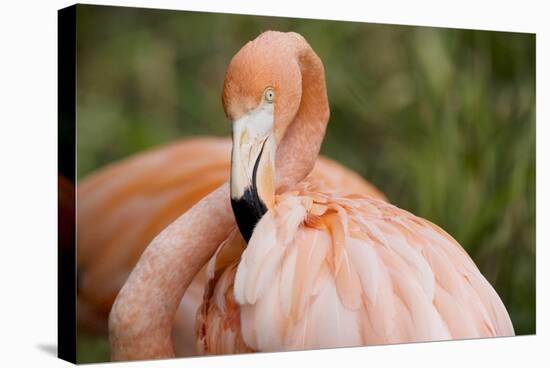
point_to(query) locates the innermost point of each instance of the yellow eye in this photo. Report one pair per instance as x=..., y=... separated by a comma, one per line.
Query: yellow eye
x=269, y=95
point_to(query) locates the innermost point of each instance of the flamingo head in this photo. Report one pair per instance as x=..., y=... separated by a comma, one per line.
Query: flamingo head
x=261, y=96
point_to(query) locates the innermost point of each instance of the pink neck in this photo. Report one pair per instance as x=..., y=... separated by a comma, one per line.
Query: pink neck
x=140, y=323
x=299, y=148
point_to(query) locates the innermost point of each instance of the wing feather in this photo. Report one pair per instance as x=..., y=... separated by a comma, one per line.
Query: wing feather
x=325, y=271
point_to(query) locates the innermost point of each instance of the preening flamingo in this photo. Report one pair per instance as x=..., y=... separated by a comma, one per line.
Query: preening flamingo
x=314, y=268
x=121, y=207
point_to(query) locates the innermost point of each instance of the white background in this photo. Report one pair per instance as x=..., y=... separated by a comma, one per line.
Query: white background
x=28, y=180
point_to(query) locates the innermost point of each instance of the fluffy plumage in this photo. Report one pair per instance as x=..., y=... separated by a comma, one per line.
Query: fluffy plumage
x=327, y=270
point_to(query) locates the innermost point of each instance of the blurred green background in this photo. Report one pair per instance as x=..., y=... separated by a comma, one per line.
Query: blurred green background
x=441, y=120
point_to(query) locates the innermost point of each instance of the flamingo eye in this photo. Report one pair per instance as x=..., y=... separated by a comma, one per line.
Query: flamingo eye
x=269, y=95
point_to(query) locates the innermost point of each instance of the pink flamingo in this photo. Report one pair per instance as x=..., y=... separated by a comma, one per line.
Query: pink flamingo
x=316, y=268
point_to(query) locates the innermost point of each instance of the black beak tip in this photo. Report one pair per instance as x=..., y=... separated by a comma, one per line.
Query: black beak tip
x=248, y=211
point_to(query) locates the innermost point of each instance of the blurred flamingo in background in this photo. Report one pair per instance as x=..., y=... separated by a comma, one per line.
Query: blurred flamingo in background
x=124, y=205
x=292, y=263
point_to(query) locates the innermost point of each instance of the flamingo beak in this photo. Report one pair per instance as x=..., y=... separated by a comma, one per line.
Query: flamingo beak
x=253, y=167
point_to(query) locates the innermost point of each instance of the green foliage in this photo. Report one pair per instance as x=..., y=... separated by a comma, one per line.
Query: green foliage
x=441, y=120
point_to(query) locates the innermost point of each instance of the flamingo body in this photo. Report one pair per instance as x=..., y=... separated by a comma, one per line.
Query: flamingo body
x=324, y=270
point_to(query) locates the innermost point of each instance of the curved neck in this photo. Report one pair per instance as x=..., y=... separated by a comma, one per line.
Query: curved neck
x=299, y=148
x=140, y=323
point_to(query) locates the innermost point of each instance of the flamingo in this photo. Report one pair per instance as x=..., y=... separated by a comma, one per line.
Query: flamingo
x=291, y=264
x=122, y=206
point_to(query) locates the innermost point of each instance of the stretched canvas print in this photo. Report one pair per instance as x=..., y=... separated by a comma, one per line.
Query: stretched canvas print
x=239, y=184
